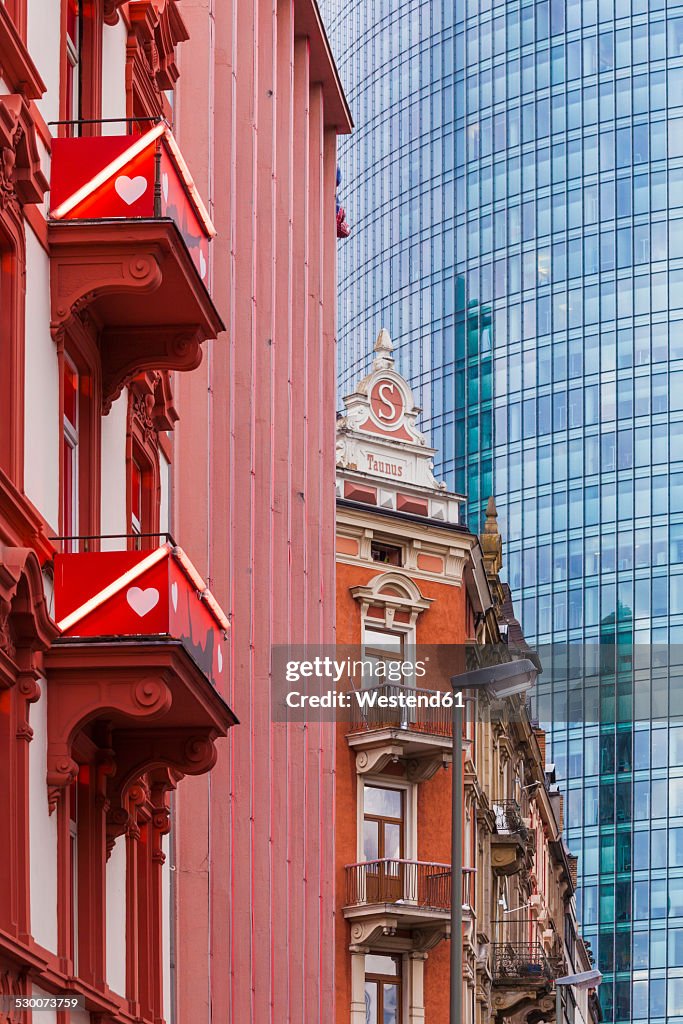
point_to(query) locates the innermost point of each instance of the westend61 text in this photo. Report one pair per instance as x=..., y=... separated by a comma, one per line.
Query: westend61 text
x=374, y=699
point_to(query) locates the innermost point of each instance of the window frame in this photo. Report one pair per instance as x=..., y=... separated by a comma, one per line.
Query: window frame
x=79, y=351
x=380, y=980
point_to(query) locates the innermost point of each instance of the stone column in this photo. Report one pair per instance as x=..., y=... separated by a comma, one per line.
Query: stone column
x=357, y=1015
x=416, y=1004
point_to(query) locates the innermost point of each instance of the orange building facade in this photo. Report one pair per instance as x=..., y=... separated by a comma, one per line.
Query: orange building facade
x=408, y=573
x=414, y=585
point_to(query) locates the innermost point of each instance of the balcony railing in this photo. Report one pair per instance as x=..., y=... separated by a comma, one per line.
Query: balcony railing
x=412, y=883
x=430, y=721
x=509, y=819
x=519, y=961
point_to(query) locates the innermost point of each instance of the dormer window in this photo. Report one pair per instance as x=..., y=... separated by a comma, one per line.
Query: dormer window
x=387, y=554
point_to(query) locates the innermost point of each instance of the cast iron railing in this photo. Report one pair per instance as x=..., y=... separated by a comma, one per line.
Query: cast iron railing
x=431, y=721
x=509, y=819
x=519, y=961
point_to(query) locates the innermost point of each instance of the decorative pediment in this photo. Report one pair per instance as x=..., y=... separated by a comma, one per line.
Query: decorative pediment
x=392, y=592
x=380, y=419
x=382, y=457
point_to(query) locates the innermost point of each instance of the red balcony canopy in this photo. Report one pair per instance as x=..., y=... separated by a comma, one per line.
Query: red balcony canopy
x=142, y=594
x=130, y=176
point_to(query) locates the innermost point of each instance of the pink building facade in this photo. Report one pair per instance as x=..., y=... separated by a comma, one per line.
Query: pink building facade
x=259, y=106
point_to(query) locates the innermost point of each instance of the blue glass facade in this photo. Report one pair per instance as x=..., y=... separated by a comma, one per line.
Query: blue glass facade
x=515, y=189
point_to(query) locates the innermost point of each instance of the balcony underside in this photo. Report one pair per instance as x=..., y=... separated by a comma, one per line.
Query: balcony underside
x=143, y=704
x=393, y=926
x=509, y=854
x=136, y=285
x=422, y=753
x=523, y=1005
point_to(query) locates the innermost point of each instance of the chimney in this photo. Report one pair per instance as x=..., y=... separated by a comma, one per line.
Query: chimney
x=540, y=736
x=573, y=868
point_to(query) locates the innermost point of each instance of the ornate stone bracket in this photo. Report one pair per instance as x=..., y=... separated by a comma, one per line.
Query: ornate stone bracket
x=125, y=354
x=79, y=279
x=425, y=939
x=420, y=769
x=508, y=854
x=369, y=933
x=74, y=703
x=376, y=759
x=156, y=28
x=94, y=263
x=380, y=932
x=523, y=1006
x=12, y=985
x=25, y=624
x=167, y=755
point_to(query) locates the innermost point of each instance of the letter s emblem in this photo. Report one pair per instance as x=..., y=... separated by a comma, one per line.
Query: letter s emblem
x=389, y=407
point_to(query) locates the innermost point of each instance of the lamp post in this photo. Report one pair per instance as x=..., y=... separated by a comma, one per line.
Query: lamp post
x=500, y=681
x=587, y=979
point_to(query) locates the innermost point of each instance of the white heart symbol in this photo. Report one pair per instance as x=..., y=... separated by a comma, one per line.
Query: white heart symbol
x=202, y=265
x=164, y=186
x=174, y=595
x=142, y=601
x=220, y=660
x=130, y=189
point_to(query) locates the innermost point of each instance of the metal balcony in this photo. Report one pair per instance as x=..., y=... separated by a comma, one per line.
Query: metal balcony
x=509, y=820
x=520, y=962
x=382, y=731
x=384, y=897
x=413, y=883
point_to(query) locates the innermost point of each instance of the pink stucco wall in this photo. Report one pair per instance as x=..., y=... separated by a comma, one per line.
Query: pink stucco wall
x=259, y=108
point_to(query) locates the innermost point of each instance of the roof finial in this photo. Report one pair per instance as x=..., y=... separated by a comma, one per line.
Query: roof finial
x=491, y=524
x=383, y=347
x=491, y=540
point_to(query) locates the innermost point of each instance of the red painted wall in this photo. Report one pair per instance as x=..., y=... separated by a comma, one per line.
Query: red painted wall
x=254, y=844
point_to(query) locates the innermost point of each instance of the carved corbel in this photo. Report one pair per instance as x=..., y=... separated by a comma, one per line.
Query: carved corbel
x=29, y=688
x=126, y=353
x=377, y=758
x=369, y=933
x=161, y=782
x=62, y=770
x=78, y=280
x=424, y=939
x=420, y=769
x=178, y=752
x=21, y=176
x=164, y=413
x=73, y=704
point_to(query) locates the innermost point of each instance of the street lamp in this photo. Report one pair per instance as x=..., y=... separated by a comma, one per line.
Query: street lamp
x=498, y=681
x=587, y=979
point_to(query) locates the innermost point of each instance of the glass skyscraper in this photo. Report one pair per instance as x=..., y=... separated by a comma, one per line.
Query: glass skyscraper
x=515, y=190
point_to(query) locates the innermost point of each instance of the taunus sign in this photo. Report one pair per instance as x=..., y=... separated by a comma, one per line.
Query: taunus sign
x=142, y=593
